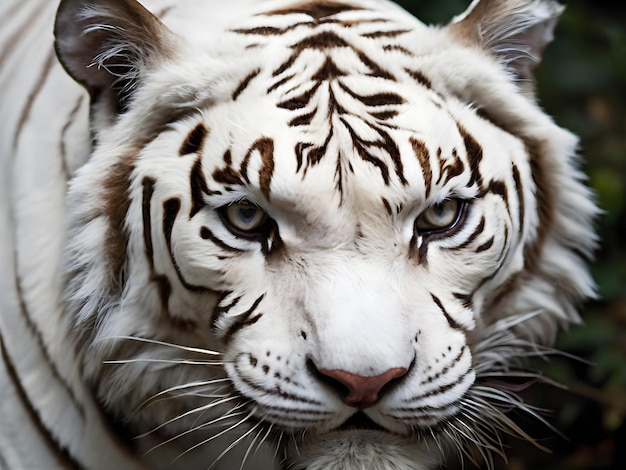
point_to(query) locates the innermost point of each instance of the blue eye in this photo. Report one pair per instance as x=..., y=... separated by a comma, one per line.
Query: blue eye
x=244, y=216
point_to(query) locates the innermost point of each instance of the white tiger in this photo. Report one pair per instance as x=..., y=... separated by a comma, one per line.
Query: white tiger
x=300, y=234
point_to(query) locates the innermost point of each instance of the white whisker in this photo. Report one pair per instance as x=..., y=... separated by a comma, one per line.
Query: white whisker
x=165, y=361
x=221, y=433
x=188, y=413
x=163, y=343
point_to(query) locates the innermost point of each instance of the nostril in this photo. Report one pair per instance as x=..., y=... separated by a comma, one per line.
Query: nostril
x=359, y=391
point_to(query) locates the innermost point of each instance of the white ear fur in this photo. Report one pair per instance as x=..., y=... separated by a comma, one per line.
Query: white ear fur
x=515, y=31
x=106, y=45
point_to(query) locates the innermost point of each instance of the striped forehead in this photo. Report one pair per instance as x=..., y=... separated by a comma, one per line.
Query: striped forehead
x=332, y=105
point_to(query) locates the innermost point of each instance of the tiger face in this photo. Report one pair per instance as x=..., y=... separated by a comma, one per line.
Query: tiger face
x=322, y=233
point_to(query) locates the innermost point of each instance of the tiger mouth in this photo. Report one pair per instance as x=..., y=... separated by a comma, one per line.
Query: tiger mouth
x=360, y=421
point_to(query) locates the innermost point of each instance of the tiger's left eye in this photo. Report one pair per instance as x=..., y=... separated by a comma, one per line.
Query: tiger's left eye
x=244, y=217
x=440, y=218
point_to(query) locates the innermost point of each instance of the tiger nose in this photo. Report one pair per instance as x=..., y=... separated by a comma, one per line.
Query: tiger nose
x=360, y=391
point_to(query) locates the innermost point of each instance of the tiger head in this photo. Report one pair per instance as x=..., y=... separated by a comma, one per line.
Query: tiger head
x=322, y=231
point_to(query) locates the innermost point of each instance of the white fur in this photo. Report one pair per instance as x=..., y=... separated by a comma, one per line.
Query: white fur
x=347, y=290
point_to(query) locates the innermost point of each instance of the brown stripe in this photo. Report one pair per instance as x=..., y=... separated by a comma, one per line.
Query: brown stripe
x=300, y=101
x=265, y=146
x=450, y=170
x=45, y=72
x=485, y=246
x=64, y=130
x=387, y=206
x=62, y=457
x=397, y=48
x=194, y=141
x=280, y=82
x=474, y=154
x=24, y=28
x=244, y=83
x=303, y=120
x=32, y=326
x=386, y=34
x=423, y=155
x=419, y=77
x=316, y=10
x=116, y=203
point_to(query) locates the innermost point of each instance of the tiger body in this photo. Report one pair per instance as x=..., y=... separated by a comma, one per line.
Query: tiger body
x=275, y=235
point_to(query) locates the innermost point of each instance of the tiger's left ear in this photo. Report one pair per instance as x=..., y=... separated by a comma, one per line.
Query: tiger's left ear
x=108, y=45
x=514, y=31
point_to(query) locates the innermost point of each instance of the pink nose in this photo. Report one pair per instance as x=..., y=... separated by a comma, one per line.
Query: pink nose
x=360, y=391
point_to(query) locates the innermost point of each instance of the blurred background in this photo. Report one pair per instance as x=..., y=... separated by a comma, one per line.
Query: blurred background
x=582, y=84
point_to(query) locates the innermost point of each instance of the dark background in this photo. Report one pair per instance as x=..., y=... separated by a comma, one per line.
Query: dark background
x=582, y=84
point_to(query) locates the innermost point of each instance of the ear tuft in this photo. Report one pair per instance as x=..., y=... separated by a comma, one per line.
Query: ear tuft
x=514, y=31
x=106, y=45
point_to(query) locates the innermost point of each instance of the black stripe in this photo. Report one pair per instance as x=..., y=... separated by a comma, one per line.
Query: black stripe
x=477, y=231
x=63, y=459
x=206, y=234
x=171, y=208
x=244, y=320
x=162, y=282
x=519, y=187
x=198, y=187
x=219, y=310
x=445, y=370
x=439, y=390
x=499, y=188
x=485, y=246
x=451, y=321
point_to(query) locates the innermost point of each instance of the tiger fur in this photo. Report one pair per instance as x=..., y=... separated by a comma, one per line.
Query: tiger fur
x=303, y=234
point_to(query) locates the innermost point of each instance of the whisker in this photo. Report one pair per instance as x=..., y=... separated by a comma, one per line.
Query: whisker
x=234, y=444
x=163, y=343
x=160, y=397
x=221, y=433
x=188, y=413
x=165, y=361
x=230, y=414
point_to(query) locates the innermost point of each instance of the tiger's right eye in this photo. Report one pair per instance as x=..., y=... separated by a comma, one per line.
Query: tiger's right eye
x=244, y=218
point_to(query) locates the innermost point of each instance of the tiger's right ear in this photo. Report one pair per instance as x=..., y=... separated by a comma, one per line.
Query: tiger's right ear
x=108, y=45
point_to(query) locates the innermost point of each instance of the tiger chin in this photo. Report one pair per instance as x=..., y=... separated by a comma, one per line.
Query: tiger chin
x=292, y=234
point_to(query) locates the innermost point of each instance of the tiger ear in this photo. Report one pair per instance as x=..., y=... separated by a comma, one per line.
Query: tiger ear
x=108, y=45
x=514, y=31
